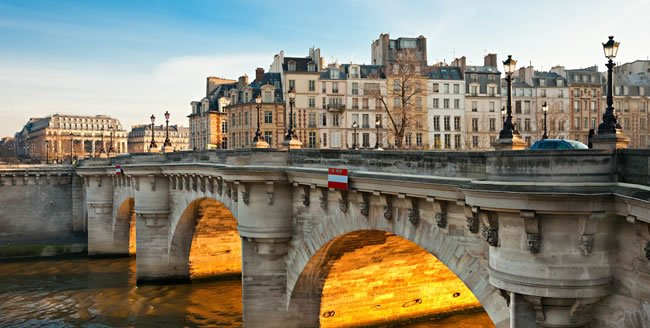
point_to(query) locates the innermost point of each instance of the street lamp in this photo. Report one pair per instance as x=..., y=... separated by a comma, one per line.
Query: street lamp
x=110, y=148
x=508, y=129
x=378, y=145
x=609, y=120
x=258, y=140
x=545, y=109
x=47, y=152
x=503, y=116
x=167, y=142
x=354, y=135
x=153, y=141
x=101, y=147
x=292, y=96
x=71, y=146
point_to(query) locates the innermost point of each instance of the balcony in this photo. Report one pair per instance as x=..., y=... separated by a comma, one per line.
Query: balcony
x=335, y=107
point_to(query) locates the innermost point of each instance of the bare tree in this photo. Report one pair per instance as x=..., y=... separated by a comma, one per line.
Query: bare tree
x=401, y=98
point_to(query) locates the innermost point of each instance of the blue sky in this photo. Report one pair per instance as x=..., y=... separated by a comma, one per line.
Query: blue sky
x=129, y=59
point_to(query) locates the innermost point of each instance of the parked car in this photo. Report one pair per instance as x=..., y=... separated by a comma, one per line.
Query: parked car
x=547, y=144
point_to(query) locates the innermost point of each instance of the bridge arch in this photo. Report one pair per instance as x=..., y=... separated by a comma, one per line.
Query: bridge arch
x=124, y=234
x=318, y=252
x=205, y=242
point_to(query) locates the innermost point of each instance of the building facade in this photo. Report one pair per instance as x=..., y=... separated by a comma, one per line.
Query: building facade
x=631, y=102
x=384, y=50
x=482, y=103
x=208, y=126
x=446, y=108
x=59, y=137
x=139, y=138
x=242, y=111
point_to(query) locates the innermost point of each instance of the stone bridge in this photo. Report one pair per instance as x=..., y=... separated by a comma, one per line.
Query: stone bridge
x=540, y=238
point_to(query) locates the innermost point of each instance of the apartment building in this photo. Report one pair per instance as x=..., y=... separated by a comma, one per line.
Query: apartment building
x=301, y=74
x=332, y=109
x=242, y=113
x=482, y=103
x=446, y=108
x=384, y=50
x=208, y=126
x=139, y=138
x=631, y=102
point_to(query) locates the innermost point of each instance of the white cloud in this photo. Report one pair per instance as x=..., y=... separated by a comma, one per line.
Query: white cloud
x=33, y=90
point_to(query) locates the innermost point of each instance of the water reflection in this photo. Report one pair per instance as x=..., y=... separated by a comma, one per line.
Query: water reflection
x=82, y=292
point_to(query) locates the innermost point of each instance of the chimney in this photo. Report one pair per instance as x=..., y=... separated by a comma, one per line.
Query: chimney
x=259, y=74
x=460, y=62
x=243, y=82
x=490, y=60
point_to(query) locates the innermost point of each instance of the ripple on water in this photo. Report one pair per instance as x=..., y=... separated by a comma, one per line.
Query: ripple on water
x=84, y=292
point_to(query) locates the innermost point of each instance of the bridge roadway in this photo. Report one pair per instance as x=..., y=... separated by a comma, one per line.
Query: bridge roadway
x=541, y=238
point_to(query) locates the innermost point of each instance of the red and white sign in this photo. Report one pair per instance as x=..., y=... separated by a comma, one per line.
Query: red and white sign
x=337, y=179
x=118, y=170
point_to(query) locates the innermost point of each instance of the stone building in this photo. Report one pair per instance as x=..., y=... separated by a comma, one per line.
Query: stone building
x=585, y=88
x=446, y=107
x=552, y=89
x=363, y=83
x=242, y=111
x=139, y=138
x=384, y=50
x=208, y=127
x=482, y=103
x=631, y=90
x=333, y=108
x=301, y=74
x=57, y=137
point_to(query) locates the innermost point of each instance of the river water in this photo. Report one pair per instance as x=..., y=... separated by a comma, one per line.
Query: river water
x=89, y=292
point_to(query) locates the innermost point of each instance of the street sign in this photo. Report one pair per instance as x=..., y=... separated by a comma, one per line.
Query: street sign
x=118, y=170
x=337, y=179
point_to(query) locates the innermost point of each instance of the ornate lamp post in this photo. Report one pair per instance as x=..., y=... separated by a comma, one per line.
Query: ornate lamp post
x=47, y=152
x=509, y=138
x=153, y=141
x=71, y=147
x=610, y=134
x=101, y=146
x=378, y=144
x=289, y=140
x=545, y=109
x=354, y=135
x=110, y=148
x=503, y=116
x=167, y=143
x=258, y=140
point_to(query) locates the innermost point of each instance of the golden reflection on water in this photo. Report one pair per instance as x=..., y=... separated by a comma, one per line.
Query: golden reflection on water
x=83, y=292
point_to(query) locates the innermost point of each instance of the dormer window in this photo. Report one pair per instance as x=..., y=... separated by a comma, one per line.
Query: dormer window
x=276, y=84
x=559, y=82
x=267, y=97
x=334, y=73
x=292, y=66
x=542, y=82
x=354, y=72
x=311, y=67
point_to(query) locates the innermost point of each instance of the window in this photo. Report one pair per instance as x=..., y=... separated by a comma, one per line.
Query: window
x=626, y=124
x=436, y=123
x=593, y=106
x=335, y=120
x=474, y=90
x=642, y=124
x=323, y=119
x=234, y=121
x=576, y=106
x=473, y=77
x=365, y=143
x=542, y=82
x=492, y=124
x=436, y=88
x=396, y=102
x=445, y=103
x=491, y=91
x=457, y=123
x=354, y=73
x=457, y=141
x=445, y=88
x=312, y=120
x=355, y=88
x=475, y=124
x=334, y=73
x=586, y=123
x=491, y=106
x=246, y=118
x=364, y=103
x=324, y=140
x=527, y=124
x=475, y=141
x=292, y=66
x=324, y=87
x=436, y=141
x=407, y=139
x=576, y=92
x=355, y=103
x=365, y=118
x=312, y=85
x=543, y=92
x=518, y=107
x=447, y=122
x=456, y=103
x=561, y=94
x=593, y=123
x=335, y=87
x=324, y=102
x=577, y=123
x=267, y=97
x=435, y=103
x=246, y=138
x=336, y=139
x=312, y=102
x=268, y=117
x=474, y=106
x=456, y=88
x=642, y=107
x=312, y=139
x=518, y=124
